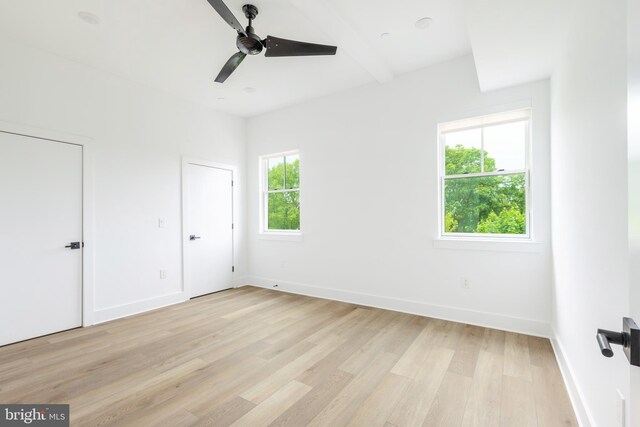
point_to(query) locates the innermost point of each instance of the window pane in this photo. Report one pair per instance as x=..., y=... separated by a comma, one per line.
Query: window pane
x=462, y=152
x=505, y=147
x=292, y=175
x=276, y=173
x=284, y=211
x=490, y=204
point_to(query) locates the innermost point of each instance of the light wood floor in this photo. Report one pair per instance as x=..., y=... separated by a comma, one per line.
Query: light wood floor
x=253, y=357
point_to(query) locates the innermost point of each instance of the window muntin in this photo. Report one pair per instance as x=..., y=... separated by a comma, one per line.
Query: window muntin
x=485, y=176
x=280, y=188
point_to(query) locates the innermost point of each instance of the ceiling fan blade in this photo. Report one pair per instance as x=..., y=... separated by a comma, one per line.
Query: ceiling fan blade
x=230, y=66
x=283, y=47
x=226, y=14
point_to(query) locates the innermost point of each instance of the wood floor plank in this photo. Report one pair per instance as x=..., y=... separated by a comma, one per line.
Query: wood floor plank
x=467, y=350
x=445, y=334
x=415, y=403
x=483, y=405
x=516, y=356
x=307, y=408
x=273, y=406
x=414, y=355
x=267, y=387
x=447, y=408
x=317, y=373
x=517, y=408
x=253, y=356
x=344, y=406
x=379, y=405
x=493, y=341
x=541, y=353
x=124, y=401
x=226, y=415
x=553, y=407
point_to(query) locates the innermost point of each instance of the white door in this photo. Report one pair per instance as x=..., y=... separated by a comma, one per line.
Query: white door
x=209, y=229
x=40, y=214
x=633, y=119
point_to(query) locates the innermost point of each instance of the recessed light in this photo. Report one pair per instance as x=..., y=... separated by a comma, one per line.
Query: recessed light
x=385, y=36
x=423, y=23
x=89, y=17
x=249, y=89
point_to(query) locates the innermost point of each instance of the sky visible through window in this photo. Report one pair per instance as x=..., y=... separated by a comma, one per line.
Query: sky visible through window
x=505, y=144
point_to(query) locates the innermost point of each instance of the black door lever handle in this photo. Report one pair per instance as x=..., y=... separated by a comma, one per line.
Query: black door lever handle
x=194, y=237
x=606, y=338
x=629, y=339
x=73, y=245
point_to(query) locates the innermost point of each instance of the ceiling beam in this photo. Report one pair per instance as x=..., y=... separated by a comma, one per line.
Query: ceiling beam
x=328, y=19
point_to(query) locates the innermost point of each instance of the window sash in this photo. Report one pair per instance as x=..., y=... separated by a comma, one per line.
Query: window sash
x=527, y=207
x=527, y=145
x=265, y=203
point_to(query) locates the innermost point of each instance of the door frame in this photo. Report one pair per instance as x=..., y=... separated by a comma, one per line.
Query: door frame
x=186, y=161
x=88, y=218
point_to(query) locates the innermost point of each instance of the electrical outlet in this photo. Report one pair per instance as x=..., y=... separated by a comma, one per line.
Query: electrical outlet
x=162, y=223
x=163, y=274
x=620, y=408
x=465, y=283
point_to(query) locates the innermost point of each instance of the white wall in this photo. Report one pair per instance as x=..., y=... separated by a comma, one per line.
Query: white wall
x=589, y=199
x=369, y=195
x=138, y=137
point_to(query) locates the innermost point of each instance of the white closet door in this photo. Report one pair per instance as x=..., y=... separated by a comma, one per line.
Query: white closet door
x=209, y=229
x=40, y=214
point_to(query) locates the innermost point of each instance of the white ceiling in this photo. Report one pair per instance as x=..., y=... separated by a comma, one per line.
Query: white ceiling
x=180, y=45
x=516, y=41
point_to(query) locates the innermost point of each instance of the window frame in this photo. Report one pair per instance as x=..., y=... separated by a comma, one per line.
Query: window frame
x=482, y=122
x=264, y=194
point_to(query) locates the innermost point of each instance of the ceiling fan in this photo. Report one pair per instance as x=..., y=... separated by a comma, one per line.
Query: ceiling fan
x=249, y=43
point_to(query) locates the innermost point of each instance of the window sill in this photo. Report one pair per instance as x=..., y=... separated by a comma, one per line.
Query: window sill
x=493, y=245
x=282, y=237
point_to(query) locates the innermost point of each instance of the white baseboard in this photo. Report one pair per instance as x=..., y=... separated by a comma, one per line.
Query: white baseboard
x=455, y=314
x=137, y=307
x=240, y=282
x=585, y=419
x=116, y=312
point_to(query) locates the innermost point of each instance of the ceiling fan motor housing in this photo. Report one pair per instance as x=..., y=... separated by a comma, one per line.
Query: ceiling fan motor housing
x=251, y=44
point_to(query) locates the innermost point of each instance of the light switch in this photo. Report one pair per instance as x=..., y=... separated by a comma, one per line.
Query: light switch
x=161, y=223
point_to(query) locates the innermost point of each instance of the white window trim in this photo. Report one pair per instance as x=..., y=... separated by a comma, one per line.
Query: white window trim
x=485, y=240
x=264, y=233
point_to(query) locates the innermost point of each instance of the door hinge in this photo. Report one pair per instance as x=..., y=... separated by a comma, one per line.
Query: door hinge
x=233, y=269
x=232, y=225
x=232, y=183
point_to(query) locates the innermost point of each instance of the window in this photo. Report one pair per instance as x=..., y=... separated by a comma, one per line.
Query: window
x=484, y=176
x=280, y=192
